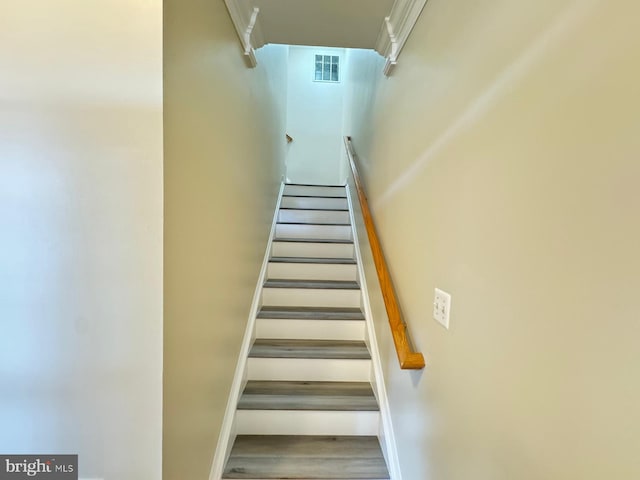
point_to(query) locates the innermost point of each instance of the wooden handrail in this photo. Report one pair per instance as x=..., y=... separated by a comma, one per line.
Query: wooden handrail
x=408, y=358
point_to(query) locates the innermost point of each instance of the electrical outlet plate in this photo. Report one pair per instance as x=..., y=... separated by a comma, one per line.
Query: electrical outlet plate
x=442, y=307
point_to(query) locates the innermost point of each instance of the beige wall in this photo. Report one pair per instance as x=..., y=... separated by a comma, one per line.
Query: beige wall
x=81, y=233
x=224, y=148
x=502, y=164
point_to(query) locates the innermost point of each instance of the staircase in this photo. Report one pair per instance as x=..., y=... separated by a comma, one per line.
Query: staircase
x=308, y=409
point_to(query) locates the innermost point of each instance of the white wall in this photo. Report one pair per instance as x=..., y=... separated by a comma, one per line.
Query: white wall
x=224, y=160
x=81, y=233
x=501, y=160
x=314, y=120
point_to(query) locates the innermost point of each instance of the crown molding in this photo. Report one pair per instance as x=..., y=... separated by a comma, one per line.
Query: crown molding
x=246, y=22
x=395, y=30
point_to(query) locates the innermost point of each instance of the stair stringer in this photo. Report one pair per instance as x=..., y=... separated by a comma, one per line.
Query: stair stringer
x=386, y=433
x=228, y=430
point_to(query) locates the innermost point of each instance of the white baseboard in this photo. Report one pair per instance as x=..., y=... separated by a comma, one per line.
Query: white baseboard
x=387, y=437
x=225, y=439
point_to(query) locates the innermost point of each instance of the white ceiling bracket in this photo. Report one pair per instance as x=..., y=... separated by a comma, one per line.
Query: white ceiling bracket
x=246, y=22
x=392, y=58
x=248, y=49
x=396, y=29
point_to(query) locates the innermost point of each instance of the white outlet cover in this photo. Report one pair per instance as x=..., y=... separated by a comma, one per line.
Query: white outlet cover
x=441, y=307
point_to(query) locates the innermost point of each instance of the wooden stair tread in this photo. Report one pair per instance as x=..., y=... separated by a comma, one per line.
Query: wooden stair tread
x=313, y=240
x=305, y=348
x=311, y=313
x=305, y=209
x=310, y=196
x=306, y=457
x=301, y=395
x=316, y=224
x=313, y=195
x=312, y=209
x=313, y=223
x=306, y=284
x=333, y=261
x=313, y=185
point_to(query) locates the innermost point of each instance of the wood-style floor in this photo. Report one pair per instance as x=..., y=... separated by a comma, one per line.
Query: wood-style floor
x=306, y=457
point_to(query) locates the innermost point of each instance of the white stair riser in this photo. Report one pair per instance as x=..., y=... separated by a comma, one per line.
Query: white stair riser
x=313, y=216
x=310, y=297
x=318, y=191
x=310, y=329
x=314, y=202
x=312, y=250
x=309, y=369
x=309, y=422
x=331, y=232
x=312, y=271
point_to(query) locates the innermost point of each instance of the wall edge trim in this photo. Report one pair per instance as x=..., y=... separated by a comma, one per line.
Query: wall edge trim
x=227, y=431
x=389, y=446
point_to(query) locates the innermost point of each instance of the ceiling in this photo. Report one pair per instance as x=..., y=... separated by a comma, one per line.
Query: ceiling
x=330, y=23
x=381, y=25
